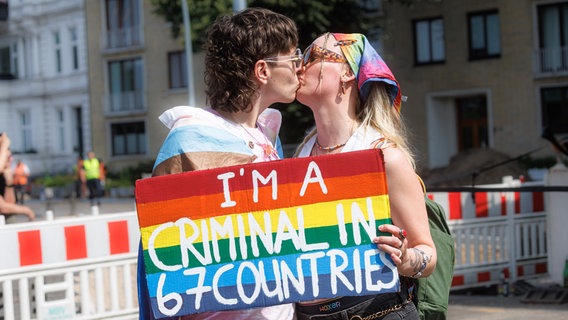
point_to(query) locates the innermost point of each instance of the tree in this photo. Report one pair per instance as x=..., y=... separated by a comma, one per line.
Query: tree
x=312, y=18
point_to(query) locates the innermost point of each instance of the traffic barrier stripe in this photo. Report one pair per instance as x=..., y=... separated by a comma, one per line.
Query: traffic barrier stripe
x=465, y=205
x=493, y=276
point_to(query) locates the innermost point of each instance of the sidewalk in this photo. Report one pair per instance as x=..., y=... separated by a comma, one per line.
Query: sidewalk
x=463, y=306
x=73, y=207
x=494, y=307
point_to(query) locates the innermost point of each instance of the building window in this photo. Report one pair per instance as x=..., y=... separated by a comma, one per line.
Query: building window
x=9, y=62
x=429, y=41
x=554, y=102
x=26, y=130
x=122, y=23
x=484, y=35
x=57, y=48
x=553, y=37
x=178, y=69
x=472, y=122
x=126, y=85
x=128, y=138
x=3, y=10
x=60, y=129
x=74, y=48
x=5, y=62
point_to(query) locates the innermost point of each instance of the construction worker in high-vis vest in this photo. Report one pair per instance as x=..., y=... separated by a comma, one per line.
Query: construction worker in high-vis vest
x=21, y=174
x=92, y=168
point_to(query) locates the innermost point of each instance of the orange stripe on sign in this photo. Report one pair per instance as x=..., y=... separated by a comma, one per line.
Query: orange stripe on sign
x=288, y=195
x=30, y=247
x=118, y=237
x=75, y=242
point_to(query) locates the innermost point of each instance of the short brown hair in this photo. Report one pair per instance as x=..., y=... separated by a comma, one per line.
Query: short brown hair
x=234, y=44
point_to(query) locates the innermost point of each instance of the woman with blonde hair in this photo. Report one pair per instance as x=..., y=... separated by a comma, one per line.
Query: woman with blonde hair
x=356, y=101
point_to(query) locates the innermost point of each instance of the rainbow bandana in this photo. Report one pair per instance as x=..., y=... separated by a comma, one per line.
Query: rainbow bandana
x=367, y=65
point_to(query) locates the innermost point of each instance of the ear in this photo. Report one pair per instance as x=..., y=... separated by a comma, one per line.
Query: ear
x=261, y=71
x=347, y=74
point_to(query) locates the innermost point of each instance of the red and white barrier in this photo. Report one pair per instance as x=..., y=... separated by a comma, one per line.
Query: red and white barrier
x=74, y=238
x=467, y=205
x=497, y=234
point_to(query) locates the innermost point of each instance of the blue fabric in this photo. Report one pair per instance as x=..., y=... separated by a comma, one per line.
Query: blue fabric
x=196, y=138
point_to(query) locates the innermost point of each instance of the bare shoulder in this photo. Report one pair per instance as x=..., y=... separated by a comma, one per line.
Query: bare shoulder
x=400, y=172
x=395, y=157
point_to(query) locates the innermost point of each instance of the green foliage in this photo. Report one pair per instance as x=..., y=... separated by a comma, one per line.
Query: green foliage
x=55, y=180
x=297, y=120
x=202, y=14
x=129, y=175
x=312, y=17
x=546, y=162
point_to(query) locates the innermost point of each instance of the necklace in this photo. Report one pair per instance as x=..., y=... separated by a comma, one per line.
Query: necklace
x=267, y=149
x=329, y=149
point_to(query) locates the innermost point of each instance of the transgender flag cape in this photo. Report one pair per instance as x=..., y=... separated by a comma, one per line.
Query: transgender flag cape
x=198, y=140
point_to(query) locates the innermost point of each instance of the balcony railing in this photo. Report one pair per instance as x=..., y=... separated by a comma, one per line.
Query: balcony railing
x=551, y=60
x=123, y=38
x=126, y=102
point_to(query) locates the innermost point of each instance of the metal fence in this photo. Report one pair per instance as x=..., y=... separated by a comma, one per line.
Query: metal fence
x=85, y=267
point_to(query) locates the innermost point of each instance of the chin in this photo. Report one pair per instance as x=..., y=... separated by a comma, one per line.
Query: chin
x=301, y=97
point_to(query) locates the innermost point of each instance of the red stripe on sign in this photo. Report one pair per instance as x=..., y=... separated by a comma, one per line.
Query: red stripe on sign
x=455, y=205
x=458, y=281
x=30, y=247
x=366, y=161
x=484, y=276
x=75, y=242
x=541, y=268
x=481, y=206
x=538, y=201
x=118, y=237
x=517, y=202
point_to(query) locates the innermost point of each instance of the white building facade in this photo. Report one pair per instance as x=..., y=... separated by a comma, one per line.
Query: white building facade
x=44, y=103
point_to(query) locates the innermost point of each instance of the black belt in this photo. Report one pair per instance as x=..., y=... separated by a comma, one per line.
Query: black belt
x=331, y=305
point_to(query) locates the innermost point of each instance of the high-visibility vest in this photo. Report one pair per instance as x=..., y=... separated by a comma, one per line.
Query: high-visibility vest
x=21, y=173
x=92, y=168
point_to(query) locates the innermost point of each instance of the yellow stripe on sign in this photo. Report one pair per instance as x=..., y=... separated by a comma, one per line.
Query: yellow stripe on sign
x=323, y=214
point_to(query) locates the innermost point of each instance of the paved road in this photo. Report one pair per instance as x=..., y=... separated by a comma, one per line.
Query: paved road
x=493, y=307
x=462, y=306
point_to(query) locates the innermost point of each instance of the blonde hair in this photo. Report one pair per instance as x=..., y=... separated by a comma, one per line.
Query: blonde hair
x=378, y=112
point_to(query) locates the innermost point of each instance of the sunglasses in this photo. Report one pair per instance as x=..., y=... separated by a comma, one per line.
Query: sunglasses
x=315, y=53
x=296, y=58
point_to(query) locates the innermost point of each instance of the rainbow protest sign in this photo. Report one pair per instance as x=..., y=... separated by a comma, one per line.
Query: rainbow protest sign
x=264, y=234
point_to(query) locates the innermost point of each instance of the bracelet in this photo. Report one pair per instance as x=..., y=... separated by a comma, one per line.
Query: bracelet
x=423, y=265
x=9, y=186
